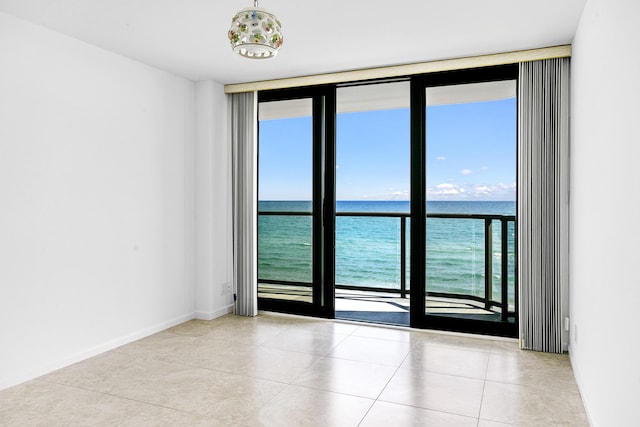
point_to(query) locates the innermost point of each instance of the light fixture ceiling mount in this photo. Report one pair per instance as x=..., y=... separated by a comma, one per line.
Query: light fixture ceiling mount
x=255, y=33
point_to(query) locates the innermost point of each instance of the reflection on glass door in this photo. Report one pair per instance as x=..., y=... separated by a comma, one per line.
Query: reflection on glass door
x=470, y=193
x=285, y=200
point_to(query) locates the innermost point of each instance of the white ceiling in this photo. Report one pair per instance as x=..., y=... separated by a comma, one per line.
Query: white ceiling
x=189, y=37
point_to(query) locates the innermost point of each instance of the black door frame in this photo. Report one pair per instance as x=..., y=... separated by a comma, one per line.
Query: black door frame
x=418, y=317
x=323, y=204
x=324, y=201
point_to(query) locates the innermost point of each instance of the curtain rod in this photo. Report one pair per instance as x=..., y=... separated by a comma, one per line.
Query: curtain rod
x=406, y=70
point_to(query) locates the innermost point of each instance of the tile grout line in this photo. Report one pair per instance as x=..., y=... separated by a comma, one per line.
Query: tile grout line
x=484, y=386
x=386, y=385
x=130, y=399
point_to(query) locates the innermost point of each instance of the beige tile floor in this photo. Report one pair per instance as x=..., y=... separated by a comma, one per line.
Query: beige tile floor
x=276, y=370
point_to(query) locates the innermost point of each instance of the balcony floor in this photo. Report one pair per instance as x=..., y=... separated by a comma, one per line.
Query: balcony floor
x=380, y=307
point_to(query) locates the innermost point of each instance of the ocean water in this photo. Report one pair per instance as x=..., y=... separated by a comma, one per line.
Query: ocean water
x=368, y=248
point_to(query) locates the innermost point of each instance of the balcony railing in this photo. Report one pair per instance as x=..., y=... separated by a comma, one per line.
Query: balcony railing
x=487, y=301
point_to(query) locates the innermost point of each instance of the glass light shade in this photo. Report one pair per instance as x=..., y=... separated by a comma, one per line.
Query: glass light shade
x=255, y=33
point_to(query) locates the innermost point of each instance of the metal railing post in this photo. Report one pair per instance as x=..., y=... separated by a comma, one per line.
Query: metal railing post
x=403, y=257
x=504, y=264
x=488, y=263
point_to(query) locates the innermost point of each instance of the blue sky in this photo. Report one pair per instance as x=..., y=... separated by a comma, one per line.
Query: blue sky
x=471, y=154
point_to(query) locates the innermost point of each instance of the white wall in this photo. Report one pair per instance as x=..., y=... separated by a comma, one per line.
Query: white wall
x=96, y=200
x=213, y=203
x=605, y=203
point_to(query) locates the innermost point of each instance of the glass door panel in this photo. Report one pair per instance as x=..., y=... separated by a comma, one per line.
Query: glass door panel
x=470, y=192
x=372, y=207
x=285, y=200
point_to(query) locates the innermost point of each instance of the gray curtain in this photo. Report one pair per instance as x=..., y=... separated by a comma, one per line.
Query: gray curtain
x=245, y=230
x=543, y=205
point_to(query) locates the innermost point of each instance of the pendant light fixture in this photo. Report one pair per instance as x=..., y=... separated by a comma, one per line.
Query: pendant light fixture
x=255, y=33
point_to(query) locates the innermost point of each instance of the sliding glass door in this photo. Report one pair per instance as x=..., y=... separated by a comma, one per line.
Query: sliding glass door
x=464, y=173
x=398, y=197
x=295, y=195
x=372, y=208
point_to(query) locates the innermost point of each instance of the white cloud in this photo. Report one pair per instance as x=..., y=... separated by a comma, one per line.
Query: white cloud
x=445, y=190
x=482, y=189
x=450, y=191
x=466, y=171
x=441, y=158
x=396, y=195
x=495, y=191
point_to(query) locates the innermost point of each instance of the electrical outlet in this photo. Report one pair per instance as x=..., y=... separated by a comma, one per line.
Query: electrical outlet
x=225, y=288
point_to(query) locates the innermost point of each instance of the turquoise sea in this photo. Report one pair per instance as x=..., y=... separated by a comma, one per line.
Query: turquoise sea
x=368, y=248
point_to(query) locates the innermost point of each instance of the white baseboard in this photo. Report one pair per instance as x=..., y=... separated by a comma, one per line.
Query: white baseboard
x=19, y=378
x=210, y=315
x=576, y=374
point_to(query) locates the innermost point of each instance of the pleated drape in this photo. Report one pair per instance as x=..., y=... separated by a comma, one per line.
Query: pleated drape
x=543, y=205
x=244, y=121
